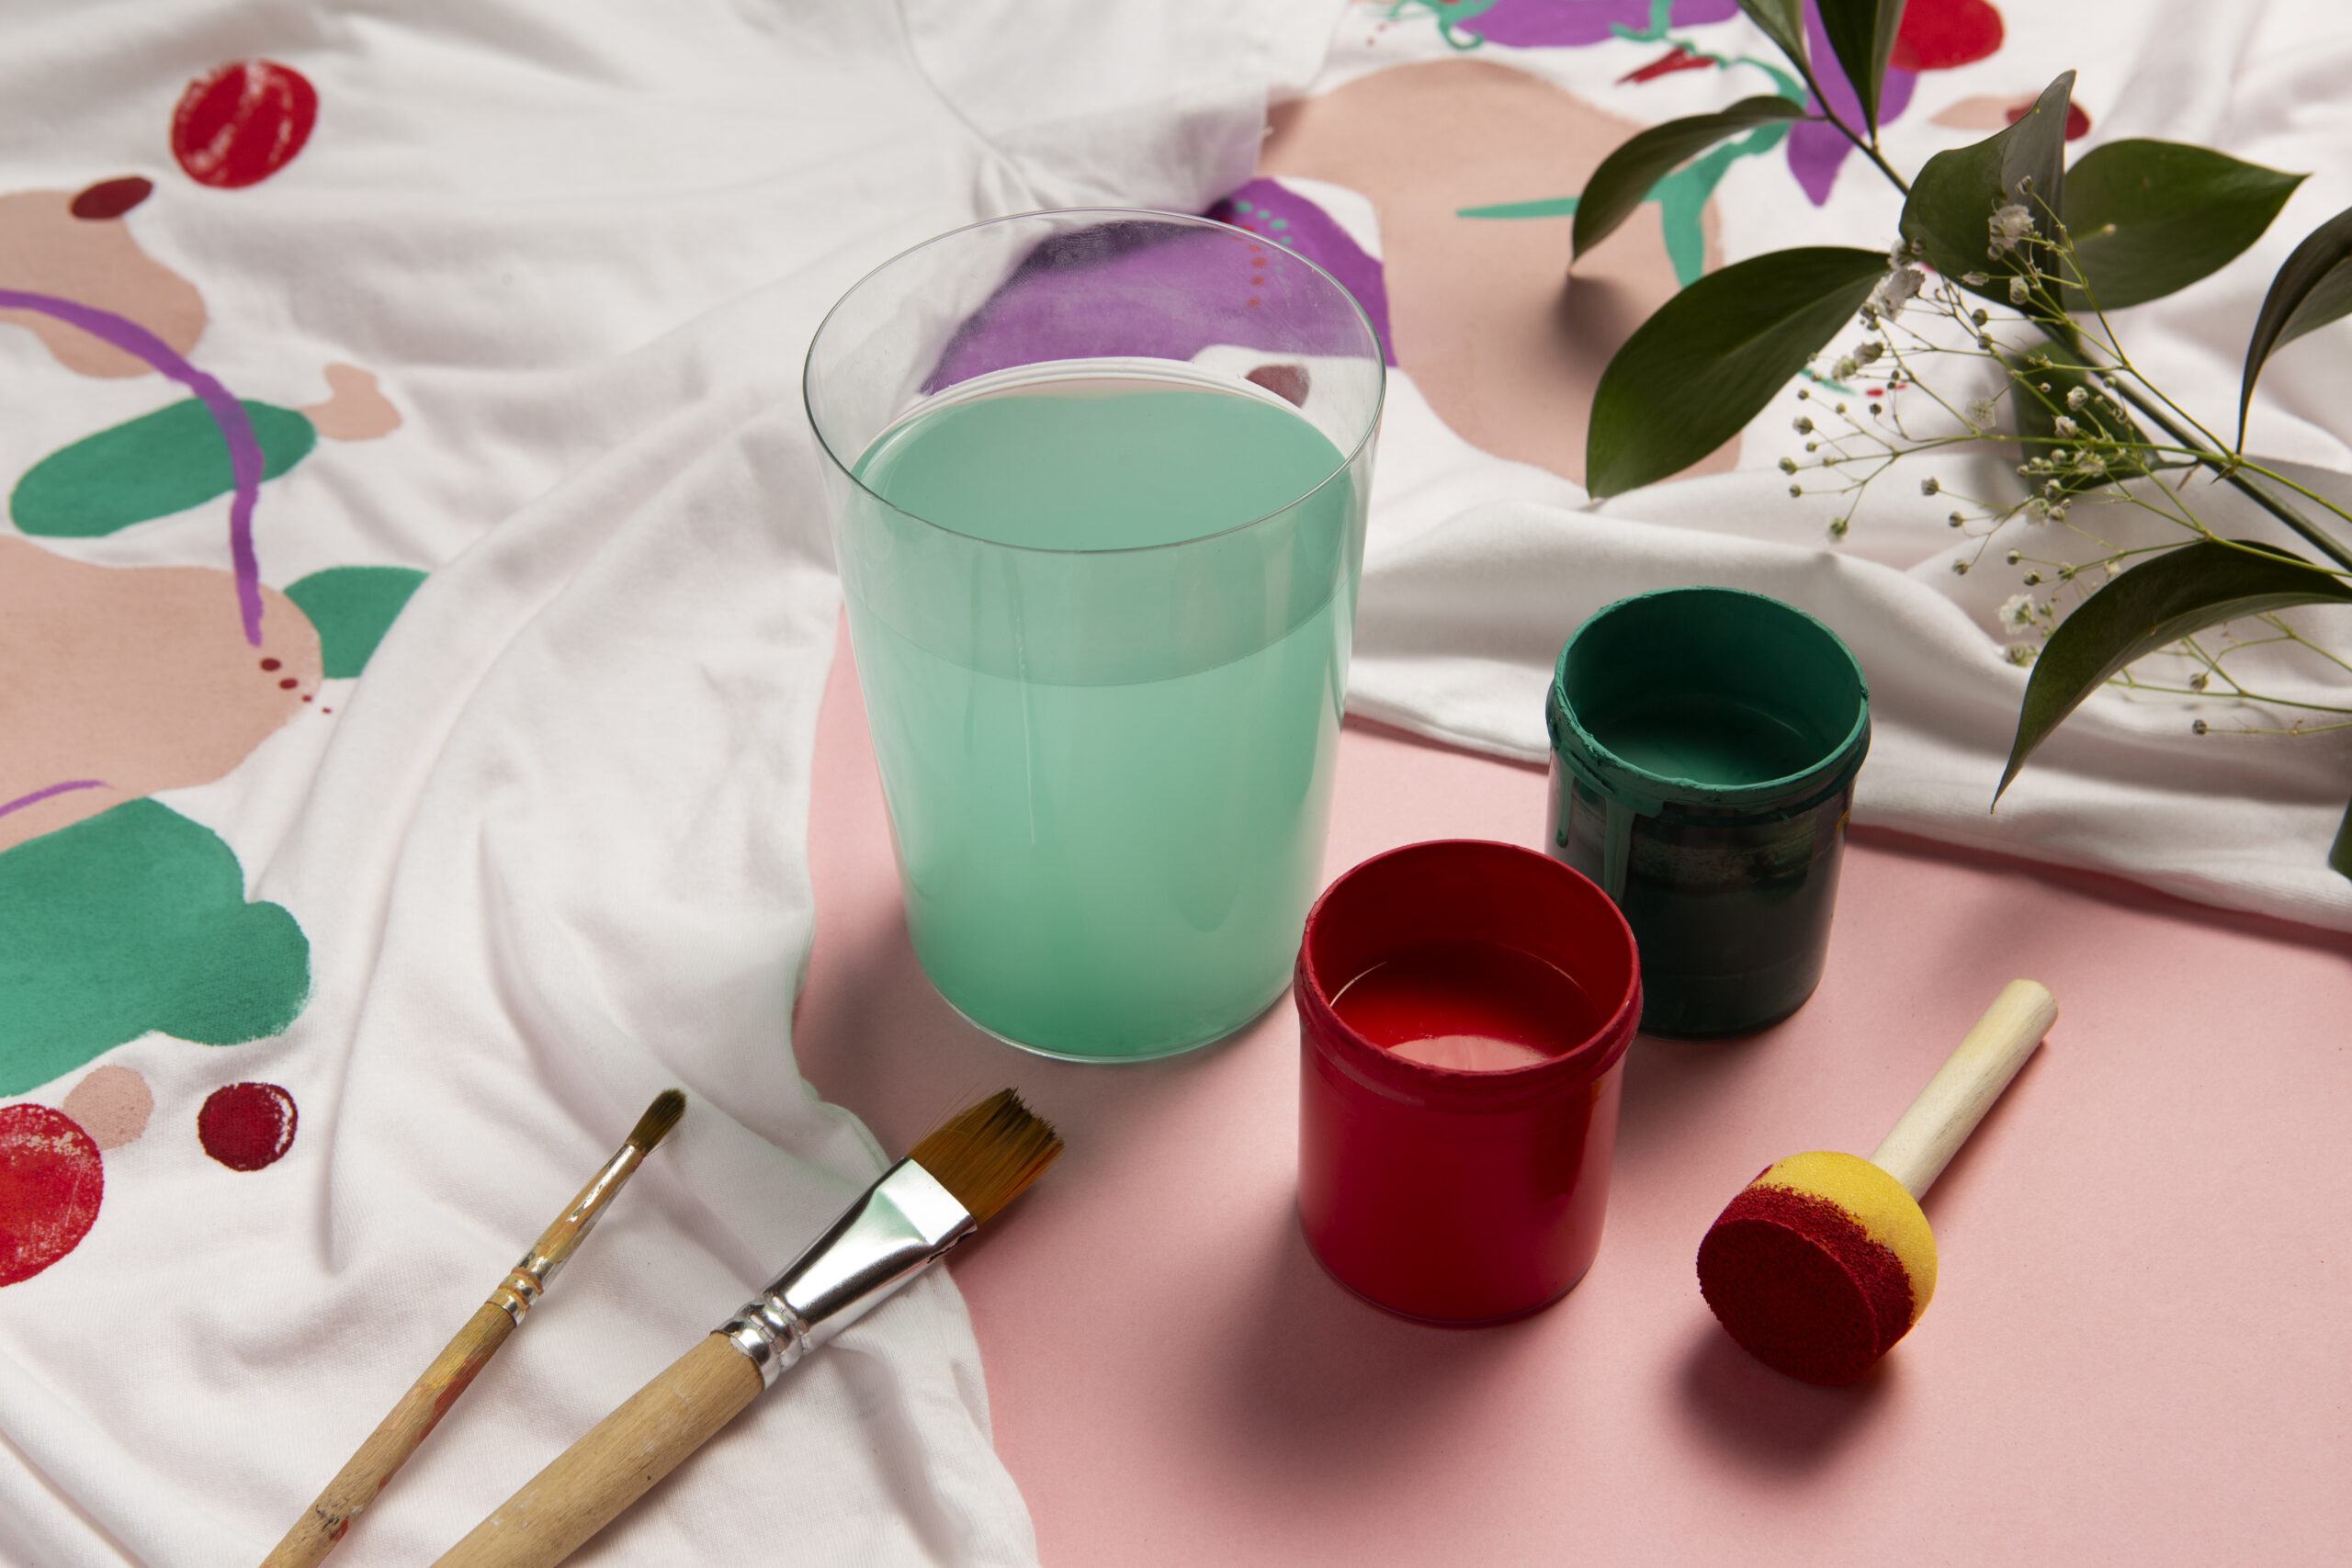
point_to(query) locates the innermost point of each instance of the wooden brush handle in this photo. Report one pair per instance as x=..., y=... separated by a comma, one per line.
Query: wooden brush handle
x=588, y=1484
x=395, y=1438
x=1965, y=1086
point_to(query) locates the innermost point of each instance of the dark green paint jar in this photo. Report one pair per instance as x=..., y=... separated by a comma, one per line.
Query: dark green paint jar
x=1705, y=745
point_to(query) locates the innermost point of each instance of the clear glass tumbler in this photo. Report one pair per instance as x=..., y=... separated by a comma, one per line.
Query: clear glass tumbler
x=1098, y=483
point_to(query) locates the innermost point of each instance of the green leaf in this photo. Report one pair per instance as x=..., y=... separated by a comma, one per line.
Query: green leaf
x=1697, y=371
x=1952, y=201
x=2100, y=417
x=1862, y=34
x=2339, y=853
x=2313, y=288
x=2148, y=217
x=1625, y=178
x=1783, y=23
x=2152, y=605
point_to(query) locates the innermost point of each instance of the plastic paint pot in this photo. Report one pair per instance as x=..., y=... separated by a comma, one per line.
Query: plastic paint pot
x=1705, y=745
x=1464, y=1009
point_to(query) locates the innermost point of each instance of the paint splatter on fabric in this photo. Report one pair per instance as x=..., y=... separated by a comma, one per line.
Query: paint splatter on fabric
x=353, y=607
x=51, y=1184
x=147, y=467
x=110, y=199
x=112, y=1104
x=133, y=921
x=247, y=1126
x=240, y=123
x=1264, y=207
x=1107, y=290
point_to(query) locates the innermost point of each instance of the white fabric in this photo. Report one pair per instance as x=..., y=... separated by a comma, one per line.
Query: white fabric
x=1478, y=568
x=548, y=853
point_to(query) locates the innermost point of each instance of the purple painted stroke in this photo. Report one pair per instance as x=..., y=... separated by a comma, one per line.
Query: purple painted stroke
x=245, y=451
x=1152, y=291
x=1815, y=151
x=1571, y=24
x=41, y=795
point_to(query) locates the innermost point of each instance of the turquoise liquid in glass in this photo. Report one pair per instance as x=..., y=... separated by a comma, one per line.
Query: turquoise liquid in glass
x=1108, y=777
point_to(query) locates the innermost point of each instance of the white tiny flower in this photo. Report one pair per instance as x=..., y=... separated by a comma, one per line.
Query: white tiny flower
x=1975, y=281
x=2113, y=568
x=2009, y=225
x=2197, y=682
x=1845, y=370
x=2017, y=611
x=2018, y=291
x=1837, y=527
x=1958, y=520
x=2077, y=398
x=1868, y=353
x=1980, y=315
x=2013, y=558
x=2021, y=652
x=2198, y=726
x=1897, y=289
x=1980, y=412
x=1802, y=426
x=1931, y=485
x=2065, y=426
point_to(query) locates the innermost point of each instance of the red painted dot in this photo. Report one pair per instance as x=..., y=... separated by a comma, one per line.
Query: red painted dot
x=110, y=199
x=288, y=683
x=1253, y=303
x=50, y=1182
x=270, y=665
x=309, y=697
x=1255, y=281
x=242, y=122
x=247, y=1125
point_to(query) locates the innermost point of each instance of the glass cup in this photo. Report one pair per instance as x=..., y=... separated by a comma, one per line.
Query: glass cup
x=1704, y=746
x=1098, y=483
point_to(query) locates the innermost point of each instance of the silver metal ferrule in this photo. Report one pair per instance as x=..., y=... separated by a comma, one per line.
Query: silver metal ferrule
x=905, y=1222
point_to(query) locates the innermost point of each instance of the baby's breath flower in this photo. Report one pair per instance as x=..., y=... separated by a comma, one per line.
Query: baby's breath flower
x=1803, y=392
x=1956, y=521
x=2198, y=726
x=2017, y=611
x=2197, y=682
x=1975, y=281
x=1931, y=485
x=2065, y=426
x=1895, y=290
x=1796, y=490
x=2009, y=225
x=1960, y=569
x=2013, y=558
x=1844, y=370
x=2021, y=652
x=2018, y=291
x=1788, y=465
x=1841, y=408
x=1837, y=527
x=1980, y=412
x=1980, y=315
x=2077, y=398
x=1802, y=426
x=2112, y=567
x=1868, y=353
x=2032, y=579
x=1813, y=446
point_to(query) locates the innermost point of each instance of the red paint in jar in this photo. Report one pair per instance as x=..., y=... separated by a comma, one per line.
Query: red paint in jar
x=1464, y=1010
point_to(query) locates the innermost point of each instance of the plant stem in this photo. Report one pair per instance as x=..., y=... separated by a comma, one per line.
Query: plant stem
x=1868, y=149
x=2062, y=333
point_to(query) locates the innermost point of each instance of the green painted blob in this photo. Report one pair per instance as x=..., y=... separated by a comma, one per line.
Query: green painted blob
x=132, y=921
x=353, y=607
x=148, y=468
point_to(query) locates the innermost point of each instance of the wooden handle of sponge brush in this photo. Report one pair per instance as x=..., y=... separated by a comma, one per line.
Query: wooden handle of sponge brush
x=585, y=1487
x=1965, y=1086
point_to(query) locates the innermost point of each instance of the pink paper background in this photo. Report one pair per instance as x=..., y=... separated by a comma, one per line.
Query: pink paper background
x=2137, y=1352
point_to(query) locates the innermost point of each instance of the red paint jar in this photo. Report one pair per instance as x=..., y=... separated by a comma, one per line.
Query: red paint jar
x=1464, y=1009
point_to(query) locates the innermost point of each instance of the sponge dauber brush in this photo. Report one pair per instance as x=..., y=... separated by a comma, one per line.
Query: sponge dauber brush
x=951, y=1183
x=429, y=1398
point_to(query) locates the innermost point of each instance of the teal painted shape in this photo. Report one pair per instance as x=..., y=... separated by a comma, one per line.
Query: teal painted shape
x=148, y=468
x=132, y=921
x=353, y=607
x=1681, y=197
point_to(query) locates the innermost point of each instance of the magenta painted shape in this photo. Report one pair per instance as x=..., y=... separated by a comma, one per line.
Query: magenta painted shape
x=1571, y=24
x=1816, y=151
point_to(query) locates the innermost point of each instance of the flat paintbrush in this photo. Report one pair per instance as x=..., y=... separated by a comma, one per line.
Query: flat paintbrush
x=954, y=1180
x=429, y=1398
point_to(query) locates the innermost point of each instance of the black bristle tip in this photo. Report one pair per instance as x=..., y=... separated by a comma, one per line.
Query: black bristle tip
x=659, y=1118
x=988, y=1154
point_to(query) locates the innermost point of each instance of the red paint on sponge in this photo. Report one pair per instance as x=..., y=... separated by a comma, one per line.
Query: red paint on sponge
x=1801, y=1287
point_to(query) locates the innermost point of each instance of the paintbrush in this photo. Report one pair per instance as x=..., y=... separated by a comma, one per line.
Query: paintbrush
x=952, y=1183
x=429, y=1398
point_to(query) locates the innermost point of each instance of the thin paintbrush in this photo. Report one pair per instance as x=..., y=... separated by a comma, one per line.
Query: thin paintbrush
x=429, y=1398
x=953, y=1181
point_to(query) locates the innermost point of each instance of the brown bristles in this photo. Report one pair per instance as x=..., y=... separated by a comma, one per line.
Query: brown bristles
x=659, y=1118
x=988, y=1154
